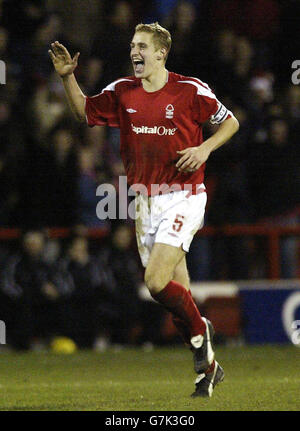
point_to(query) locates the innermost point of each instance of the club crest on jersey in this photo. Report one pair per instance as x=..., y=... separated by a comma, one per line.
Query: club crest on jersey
x=170, y=111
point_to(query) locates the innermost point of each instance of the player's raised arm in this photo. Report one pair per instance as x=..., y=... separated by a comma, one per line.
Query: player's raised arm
x=65, y=65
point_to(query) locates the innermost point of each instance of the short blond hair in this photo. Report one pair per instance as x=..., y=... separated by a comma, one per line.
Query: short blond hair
x=161, y=36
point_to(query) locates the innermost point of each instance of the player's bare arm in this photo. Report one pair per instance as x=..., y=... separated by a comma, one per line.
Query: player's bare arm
x=65, y=65
x=193, y=157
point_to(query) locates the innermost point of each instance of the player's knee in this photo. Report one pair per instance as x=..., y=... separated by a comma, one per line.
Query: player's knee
x=154, y=282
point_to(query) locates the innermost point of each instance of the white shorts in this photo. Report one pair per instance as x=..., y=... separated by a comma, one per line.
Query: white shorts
x=171, y=218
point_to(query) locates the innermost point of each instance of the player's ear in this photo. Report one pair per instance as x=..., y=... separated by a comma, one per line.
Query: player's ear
x=162, y=53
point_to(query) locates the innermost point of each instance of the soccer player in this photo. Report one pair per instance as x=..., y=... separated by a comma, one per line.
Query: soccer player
x=160, y=115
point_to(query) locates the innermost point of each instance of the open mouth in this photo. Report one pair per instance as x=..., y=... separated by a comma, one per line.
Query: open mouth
x=138, y=66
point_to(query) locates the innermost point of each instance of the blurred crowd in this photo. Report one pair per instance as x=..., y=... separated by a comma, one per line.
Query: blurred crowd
x=50, y=166
x=51, y=288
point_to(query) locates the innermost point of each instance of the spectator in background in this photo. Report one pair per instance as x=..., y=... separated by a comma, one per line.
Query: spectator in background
x=243, y=64
x=232, y=65
x=231, y=203
x=78, y=17
x=52, y=250
x=273, y=171
x=109, y=166
x=199, y=259
x=50, y=29
x=64, y=174
x=21, y=20
x=26, y=21
x=92, y=75
x=106, y=153
x=11, y=148
x=12, y=69
x=111, y=59
x=262, y=92
x=121, y=259
x=257, y=20
x=95, y=138
x=87, y=186
x=291, y=105
x=223, y=50
x=260, y=105
x=23, y=17
x=111, y=153
x=162, y=10
x=32, y=290
x=190, y=44
x=8, y=190
x=48, y=180
x=91, y=309
x=49, y=107
x=261, y=27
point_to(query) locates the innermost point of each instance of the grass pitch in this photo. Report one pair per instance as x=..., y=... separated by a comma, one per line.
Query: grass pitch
x=256, y=379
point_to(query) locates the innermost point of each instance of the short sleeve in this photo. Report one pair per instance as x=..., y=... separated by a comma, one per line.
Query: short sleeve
x=208, y=108
x=102, y=109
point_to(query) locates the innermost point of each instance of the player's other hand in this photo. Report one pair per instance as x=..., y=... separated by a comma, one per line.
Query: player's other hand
x=192, y=158
x=63, y=62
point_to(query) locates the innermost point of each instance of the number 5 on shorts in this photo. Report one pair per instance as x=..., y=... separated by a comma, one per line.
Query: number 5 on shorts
x=178, y=222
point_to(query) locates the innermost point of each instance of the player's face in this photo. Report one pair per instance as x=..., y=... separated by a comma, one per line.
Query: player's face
x=143, y=55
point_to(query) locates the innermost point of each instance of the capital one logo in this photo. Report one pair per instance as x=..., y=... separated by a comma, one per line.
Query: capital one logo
x=296, y=74
x=156, y=130
x=2, y=72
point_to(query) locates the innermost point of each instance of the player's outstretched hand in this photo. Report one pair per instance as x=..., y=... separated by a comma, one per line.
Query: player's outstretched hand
x=63, y=62
x=192, y=158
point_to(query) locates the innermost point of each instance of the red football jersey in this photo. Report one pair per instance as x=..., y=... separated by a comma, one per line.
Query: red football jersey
x=154, y=126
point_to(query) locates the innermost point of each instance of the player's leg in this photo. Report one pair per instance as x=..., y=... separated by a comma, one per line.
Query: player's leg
x=181, y=276
x=161, y=266
x=205, y=382
x=172, y=295
x=177, y=299
x=164, y=235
